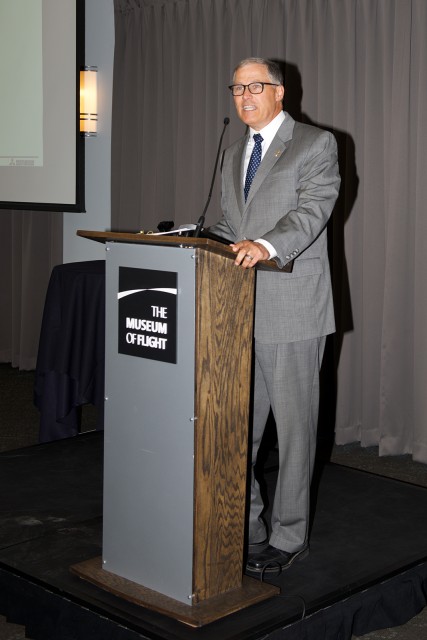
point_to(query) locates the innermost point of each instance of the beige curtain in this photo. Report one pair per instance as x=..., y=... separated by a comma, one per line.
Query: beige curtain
x=357, y=67
x=30, y=245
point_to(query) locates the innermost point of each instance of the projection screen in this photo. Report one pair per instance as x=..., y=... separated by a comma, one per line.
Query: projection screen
x=41, y=150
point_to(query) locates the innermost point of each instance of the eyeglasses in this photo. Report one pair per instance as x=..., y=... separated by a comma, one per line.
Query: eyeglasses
x=254, y=87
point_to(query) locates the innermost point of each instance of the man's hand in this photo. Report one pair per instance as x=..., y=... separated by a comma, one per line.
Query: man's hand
x=249, y=253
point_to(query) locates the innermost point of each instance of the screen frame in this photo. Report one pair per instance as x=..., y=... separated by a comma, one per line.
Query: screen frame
x=78, y=205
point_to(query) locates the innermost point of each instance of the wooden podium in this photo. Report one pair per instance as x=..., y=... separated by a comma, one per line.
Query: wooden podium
x=179, y=328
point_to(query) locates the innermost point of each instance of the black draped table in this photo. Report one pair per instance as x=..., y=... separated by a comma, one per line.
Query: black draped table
x=70, y=362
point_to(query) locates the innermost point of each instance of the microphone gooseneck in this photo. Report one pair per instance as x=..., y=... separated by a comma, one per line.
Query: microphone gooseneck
x=201, y=220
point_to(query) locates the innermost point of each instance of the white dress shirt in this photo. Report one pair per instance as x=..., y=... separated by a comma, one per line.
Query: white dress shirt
x=267, y=134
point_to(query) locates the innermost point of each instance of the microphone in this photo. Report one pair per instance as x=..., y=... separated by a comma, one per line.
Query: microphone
x=201, y=220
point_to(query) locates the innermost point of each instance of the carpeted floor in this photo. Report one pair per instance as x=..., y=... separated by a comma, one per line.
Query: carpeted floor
x=19, y=424
x=401, y=468
x=19, y=427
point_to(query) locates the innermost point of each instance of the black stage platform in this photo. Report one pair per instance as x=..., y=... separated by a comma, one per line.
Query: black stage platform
x=367, y=567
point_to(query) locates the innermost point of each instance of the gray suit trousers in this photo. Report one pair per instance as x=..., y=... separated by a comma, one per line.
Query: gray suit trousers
x=286, y=377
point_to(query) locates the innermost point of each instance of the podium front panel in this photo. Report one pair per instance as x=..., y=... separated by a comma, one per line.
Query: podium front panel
x=149, y=416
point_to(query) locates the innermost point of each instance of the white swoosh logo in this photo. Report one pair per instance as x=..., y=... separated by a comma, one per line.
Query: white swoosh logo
x=123, y=294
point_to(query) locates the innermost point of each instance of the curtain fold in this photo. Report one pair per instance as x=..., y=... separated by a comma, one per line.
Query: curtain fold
x=403, y=346
x=31, y=245
x=356, y=67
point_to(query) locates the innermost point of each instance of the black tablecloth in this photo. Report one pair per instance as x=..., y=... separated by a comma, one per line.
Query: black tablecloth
x=71, y=358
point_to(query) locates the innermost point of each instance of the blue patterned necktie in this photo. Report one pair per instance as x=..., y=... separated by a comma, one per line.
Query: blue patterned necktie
x=254, y=163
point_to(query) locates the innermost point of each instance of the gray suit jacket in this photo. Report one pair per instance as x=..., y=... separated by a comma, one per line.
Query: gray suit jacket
x=289, y=204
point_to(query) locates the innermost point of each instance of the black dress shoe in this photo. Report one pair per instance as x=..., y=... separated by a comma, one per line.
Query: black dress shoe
x=257, y=547
x=273, y=560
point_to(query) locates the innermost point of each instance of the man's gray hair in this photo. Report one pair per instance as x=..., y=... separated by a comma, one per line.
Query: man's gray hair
x=273, y=69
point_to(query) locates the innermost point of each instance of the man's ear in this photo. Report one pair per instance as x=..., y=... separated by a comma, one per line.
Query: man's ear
x=280, y=93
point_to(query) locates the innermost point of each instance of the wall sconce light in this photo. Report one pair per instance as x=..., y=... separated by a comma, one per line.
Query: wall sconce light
x=88, y=102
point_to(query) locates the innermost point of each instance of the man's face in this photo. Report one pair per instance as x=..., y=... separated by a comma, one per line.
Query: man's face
x=257, y=110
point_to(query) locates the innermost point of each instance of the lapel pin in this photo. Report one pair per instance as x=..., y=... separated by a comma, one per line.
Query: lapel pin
x=277, y=154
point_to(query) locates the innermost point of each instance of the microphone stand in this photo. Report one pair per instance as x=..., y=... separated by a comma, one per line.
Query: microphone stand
x=201, y=220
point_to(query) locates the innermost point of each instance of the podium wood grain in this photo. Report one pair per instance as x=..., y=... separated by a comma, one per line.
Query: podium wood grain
x=199, y=614
x=224, y=325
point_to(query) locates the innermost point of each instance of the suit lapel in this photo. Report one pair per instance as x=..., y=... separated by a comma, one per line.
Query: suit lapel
x=238, y=162
x=275, y=151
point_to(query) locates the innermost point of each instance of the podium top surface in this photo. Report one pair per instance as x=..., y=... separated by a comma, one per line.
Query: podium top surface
x=207, y=244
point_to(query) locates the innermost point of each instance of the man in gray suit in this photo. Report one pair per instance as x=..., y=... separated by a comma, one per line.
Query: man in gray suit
x=282, y=214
